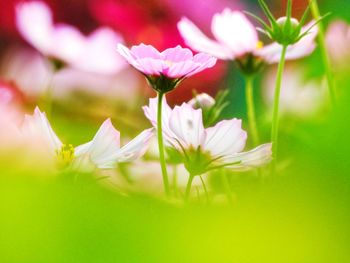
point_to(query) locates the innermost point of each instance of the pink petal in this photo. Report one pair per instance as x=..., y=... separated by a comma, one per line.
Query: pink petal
x=176, y=54
x=34, y=22
x=195, y=39
x=98, y=54
x=145, y=51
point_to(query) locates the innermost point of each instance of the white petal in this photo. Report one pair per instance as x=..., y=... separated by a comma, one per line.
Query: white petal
x=251, y=159
x=233, y=29
x=195, y=39
x=187, y=125
x=151, y=114
x=131, y=151
x=38, y=127
x=225, y=138
x=105, y=143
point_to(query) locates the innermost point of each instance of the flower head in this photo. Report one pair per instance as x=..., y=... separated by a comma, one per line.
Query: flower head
x=103, y=151
x=66, y=44
x=202, y=148
x=164, y=70
x=237, y=39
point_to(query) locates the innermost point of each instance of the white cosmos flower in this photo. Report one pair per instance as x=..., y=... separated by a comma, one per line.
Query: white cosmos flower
x=235, y=36
x=103, y=151
x=220, y=145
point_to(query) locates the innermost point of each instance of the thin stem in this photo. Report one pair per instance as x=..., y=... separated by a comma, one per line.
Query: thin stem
x=325, y=56
x=175, y=179
x=205, y=189
x=275, y=119
x=227, y=186
x=251, y=109
x=188, y=187
x=161, y=145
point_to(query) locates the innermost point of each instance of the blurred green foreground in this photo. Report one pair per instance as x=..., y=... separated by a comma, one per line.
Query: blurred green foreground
x=299, y=216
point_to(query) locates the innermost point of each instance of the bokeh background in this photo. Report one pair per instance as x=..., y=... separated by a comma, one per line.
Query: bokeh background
x=301, y=215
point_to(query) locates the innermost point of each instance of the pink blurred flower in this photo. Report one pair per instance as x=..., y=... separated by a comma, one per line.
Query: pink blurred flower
x=10, y=94
x=93, y=53
x=235, y=37
x=183, y=129
x=103, y=151
x=338, y=41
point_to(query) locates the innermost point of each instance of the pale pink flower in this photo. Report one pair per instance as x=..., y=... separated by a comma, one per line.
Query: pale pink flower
x=183, y=129
x=235, y=37
x=93, y=53
x=173, y=63
x=338, y=41
x=103, y=151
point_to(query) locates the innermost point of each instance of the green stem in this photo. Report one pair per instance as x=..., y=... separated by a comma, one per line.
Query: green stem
x=275, y=119
x=325, y=56
x=161, y=145
x=227, y=186
x=188, y=187
x=205, y=189
x=251, y=109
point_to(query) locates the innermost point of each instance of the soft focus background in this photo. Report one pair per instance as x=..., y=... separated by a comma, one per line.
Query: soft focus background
x=301, y=215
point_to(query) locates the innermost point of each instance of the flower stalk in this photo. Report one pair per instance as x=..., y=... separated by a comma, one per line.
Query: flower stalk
x=325, y=57
x=275, y=120
x=161, y=145
x=251, y=109
x=188, y=187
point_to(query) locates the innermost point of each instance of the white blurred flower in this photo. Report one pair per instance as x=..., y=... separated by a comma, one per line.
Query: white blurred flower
x=299, y=96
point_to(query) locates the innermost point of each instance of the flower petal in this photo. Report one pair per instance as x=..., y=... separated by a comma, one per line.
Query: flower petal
x=225, y=138
x=34, y=22
x=233, y=29
x=105, y=143
x=251, y=159
x=130, y=152
x=38, y=127
x=187, y=125
x=151, y=114
x=195, y=39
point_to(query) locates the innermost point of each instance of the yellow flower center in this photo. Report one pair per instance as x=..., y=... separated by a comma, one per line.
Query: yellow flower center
x=259, y=45
x=168, y=63
x=65, y=155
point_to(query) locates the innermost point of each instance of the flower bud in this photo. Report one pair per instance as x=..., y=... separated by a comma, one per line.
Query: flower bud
x=287, y=31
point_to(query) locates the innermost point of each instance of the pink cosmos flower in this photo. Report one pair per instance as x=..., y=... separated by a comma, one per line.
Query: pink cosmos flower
x=103, y=151
x=235, y=37
x=221, y=145
x=173, y=63
x=65, y=43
